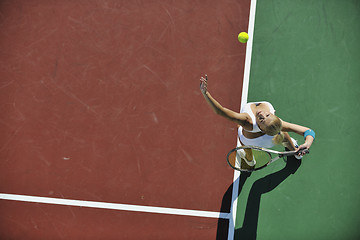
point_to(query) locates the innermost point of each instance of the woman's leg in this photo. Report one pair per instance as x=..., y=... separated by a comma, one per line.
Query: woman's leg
x=248, y=156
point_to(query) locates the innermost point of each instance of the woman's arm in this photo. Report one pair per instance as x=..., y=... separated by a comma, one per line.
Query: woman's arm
x=239, y=118
x=290, y=127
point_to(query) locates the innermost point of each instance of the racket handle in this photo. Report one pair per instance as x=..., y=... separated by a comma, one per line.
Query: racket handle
x=305, y=151
x=300, y=157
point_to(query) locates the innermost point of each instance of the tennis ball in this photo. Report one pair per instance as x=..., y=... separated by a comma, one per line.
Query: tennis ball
x=243, y=37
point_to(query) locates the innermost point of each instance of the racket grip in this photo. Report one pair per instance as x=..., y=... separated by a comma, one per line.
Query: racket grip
x=300, y=157
x=305, y=151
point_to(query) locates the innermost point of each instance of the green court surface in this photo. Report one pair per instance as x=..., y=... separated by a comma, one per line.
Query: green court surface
x=305, y=61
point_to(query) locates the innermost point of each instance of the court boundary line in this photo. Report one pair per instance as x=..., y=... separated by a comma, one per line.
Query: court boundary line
x=114, y=206
x=244, y=98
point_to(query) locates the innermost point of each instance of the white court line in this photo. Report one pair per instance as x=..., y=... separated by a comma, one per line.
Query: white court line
x=244, y=98
x=114, y=206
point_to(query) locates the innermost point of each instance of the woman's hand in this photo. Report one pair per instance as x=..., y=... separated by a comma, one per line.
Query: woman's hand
x=203, y=85
x=303, y=147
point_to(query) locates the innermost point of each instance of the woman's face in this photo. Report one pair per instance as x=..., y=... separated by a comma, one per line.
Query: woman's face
x=263, y=119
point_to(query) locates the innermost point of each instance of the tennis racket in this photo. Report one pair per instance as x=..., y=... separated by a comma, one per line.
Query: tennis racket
x=262, y=156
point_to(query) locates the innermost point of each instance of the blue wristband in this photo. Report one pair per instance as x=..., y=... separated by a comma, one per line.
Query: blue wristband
x=309, y=132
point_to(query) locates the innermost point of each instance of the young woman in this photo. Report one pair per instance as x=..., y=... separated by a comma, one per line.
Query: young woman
x=259, y=126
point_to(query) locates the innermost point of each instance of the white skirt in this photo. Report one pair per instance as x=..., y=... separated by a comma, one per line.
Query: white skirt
x=263, y=141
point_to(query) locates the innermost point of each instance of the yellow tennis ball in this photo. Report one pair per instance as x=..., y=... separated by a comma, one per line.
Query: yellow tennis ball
x=243, y=37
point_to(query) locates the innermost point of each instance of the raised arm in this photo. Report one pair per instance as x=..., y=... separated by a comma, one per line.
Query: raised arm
x=238, y=118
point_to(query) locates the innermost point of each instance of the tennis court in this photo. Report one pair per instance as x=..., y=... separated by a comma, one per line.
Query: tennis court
x=105, y=134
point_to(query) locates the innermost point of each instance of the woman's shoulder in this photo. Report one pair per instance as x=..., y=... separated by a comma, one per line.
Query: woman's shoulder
x=271, y=107
x=258, y=103
x=263, y=102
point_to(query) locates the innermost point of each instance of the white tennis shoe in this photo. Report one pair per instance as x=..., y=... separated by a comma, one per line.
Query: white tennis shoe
x=241, y=154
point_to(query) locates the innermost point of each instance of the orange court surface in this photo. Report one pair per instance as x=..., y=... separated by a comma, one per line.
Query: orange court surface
x=100, y=102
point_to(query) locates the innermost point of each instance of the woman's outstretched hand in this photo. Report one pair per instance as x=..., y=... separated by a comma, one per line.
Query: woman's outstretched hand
x=203, y=84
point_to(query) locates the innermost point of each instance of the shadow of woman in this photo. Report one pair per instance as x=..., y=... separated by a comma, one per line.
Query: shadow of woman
x=248, y=231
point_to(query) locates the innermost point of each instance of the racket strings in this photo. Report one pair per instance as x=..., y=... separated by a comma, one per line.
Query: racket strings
x=236, y=159
x=260, y=157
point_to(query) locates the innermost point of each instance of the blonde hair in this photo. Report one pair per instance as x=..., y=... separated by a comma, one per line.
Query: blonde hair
x=274, y=129
x=278, y=138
